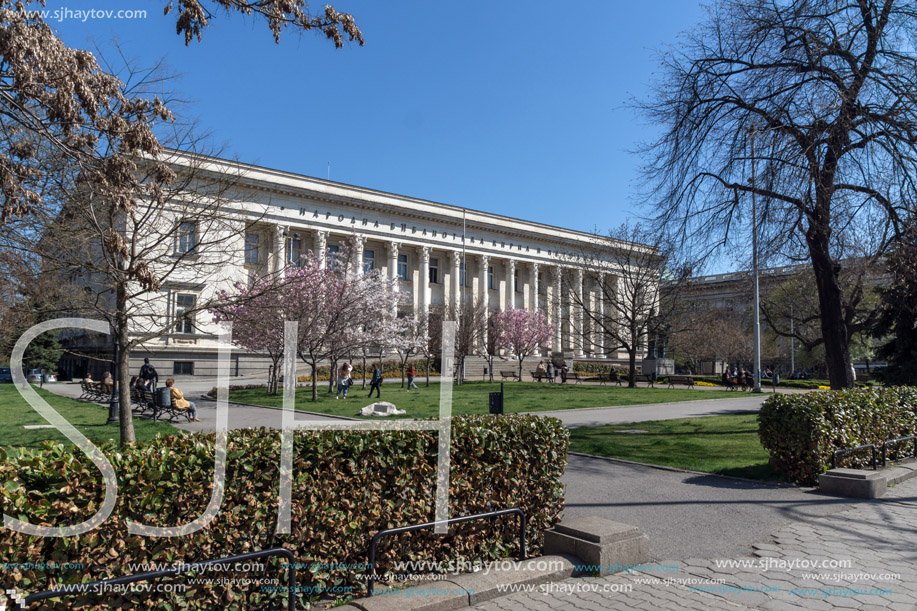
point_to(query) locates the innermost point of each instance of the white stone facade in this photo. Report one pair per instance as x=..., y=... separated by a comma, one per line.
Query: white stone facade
x=508, y=262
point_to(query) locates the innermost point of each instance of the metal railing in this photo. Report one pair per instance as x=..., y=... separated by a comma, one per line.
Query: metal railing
x=848, y=450
x=900, y=439
x=109, y=585
x=371, y=577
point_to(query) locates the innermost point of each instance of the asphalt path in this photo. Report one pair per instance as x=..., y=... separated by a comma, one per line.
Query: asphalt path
x=689, y=515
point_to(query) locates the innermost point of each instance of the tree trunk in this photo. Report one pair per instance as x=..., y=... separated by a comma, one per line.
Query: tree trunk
x=833, y=325
x=332, y=376
x=632, y=368
x=521, y=358
x=314, y=381
x=124, y=391
x=428, y=371
x=364, y=372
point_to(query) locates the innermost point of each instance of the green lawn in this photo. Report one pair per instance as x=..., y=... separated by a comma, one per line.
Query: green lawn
x=472, y=397
x=88, y=418
x=727, y=445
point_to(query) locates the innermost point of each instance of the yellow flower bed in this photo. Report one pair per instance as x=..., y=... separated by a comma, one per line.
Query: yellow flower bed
x=702, y=383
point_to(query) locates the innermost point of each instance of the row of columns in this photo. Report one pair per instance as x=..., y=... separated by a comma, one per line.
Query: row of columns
x=571, y=320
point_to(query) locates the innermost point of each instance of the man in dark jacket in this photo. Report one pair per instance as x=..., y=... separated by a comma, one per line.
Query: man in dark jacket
x=148, y=375
x=376, y=382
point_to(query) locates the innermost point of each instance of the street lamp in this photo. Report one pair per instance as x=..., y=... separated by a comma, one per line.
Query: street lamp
x=114, y=406
x=754, y=266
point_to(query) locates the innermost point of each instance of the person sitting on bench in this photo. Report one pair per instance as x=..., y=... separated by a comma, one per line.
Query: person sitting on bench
x=179, y=401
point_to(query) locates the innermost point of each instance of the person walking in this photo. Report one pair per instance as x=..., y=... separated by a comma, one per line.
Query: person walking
x=148, y=375
x=376, y=382
x=344, y=381
x=410, y=372
x=550, y=370
x=179, y=401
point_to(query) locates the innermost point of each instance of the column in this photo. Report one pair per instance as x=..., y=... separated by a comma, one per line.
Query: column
x=484, y=292
x=510, y=284
x=275, y=254
x=600, y=331
x=359, y=243
x=579, y=338
x=392, y=250
x=558, y=311
x=456, y=281
x=424, y=285
x=321, y=247
x=533, y=302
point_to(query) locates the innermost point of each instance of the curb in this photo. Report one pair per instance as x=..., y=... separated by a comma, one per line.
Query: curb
x=466, y=589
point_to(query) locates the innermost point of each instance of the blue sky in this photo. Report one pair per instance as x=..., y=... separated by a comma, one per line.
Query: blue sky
x=517, y=108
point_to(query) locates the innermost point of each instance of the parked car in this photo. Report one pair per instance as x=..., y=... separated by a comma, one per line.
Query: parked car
x=5, y=374
x=35, y=376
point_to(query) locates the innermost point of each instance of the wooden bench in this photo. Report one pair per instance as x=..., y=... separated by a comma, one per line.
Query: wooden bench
x=611, y=377
x=541, y=376
x=572, y=375
x=512, y=375
x=686, y=380
x=645, y=378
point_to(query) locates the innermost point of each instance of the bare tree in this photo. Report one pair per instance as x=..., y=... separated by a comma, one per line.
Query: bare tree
x=791, y=309
x=469, y=318
x=619, y=296
x=809, y=105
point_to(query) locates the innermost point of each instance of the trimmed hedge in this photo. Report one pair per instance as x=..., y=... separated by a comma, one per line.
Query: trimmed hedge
x=347, y=486
x=802, y=431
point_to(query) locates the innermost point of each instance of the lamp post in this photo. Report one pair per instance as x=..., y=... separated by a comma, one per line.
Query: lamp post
x=754, y=267
x=114, y=406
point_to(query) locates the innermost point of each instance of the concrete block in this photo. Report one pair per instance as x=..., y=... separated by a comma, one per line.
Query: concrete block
x=604, y=547
x=855, y=483
x=432, y=596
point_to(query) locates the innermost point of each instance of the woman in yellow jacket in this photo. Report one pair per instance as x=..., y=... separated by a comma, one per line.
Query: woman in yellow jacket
x=179, y=401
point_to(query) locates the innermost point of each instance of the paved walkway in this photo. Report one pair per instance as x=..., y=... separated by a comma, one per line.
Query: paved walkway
x=860, y=558
x=594, y=416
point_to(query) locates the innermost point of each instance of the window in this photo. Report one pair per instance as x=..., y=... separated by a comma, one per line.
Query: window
x=252, y=248
x=516, y=280
x=183, y=304
x=542, y=289
x=183, y=368
x=294, y=249
x=462, y=274
x=186, y=237
x=403, y=267
x=369, y=260
x=434, y=270
x=332, y=256
x=490, y=278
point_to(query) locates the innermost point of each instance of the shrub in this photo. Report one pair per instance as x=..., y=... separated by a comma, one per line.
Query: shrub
x=346, y=487
x=597, y=368
x=802, y=431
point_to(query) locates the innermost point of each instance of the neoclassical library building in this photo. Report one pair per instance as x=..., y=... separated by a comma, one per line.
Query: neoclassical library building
x=435, y=251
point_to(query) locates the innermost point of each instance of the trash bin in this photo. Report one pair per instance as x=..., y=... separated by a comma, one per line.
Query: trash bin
x=163, y=396
x=496, y=403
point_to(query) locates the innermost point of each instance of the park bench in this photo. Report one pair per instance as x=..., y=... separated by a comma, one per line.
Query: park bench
x=572, y=375
x=95, y=392
x=149, y=402
x=541, y=376
x=686, y=380
x=611, y=377
x=512, y=375
x=89, y=392
x=645, y=378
